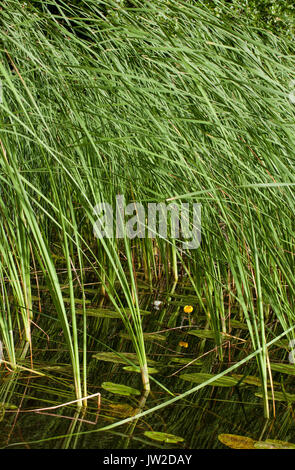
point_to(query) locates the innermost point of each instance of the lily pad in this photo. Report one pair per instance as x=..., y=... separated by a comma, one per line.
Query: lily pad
x=122, y=410
x=241, y=442
x=147, y=336
x=163, y=437
x=237, y=442
x=273, y=444
x=99, y=312
x=252, y=380
x=58, y=367
x=67, y=300
x=151, y=370
x=124, y=358
x=200, y=377
x=120, y=389
x=107, y=313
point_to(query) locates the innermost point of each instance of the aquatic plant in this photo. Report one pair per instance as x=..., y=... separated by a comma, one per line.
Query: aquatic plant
x=160, y=102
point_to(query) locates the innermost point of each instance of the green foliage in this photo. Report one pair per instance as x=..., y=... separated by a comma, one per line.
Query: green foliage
x=200, y=377
x=163, y=437
x=276, y=15
x=157, y=101
x=119, y=389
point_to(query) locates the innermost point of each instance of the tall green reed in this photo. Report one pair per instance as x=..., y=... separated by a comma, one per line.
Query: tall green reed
x=159, y=101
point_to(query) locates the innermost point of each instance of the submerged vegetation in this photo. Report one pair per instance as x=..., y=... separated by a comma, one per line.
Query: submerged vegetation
x=159, y=101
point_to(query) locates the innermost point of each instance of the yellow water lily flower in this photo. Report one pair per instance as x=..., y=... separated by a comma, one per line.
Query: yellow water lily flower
x=188, y=309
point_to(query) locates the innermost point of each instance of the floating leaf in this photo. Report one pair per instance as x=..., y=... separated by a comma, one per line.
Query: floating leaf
x=107, y=313
x=252, y=380
x=154, y=337
x=204, y=334
x=240, y=442
x=151, y=370
x=124, y=358
x=88, y=290
x=147, y=336
x=200, y=377
x=273, y=444
x=283, y=368
x=279, y=396
x=186, y=360
x=115, y=358
x=58, y=367
x=237, y=442
x=77, y=301
x=123, y=410
x=163, y=437
x=99, y=312
x=120, y=389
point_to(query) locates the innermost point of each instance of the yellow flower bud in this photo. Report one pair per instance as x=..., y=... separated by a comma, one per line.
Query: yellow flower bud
x=188, y=309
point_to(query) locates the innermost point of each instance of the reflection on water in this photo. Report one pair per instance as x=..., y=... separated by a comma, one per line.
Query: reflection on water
x=31, y=414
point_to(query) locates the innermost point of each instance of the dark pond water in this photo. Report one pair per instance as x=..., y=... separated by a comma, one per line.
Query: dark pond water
x=32, y=418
